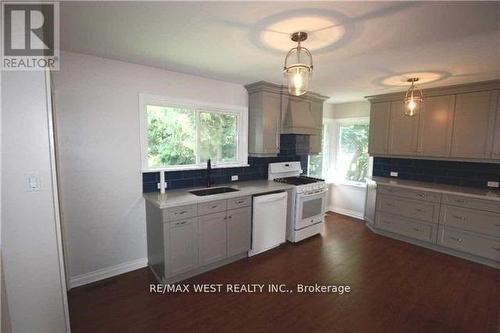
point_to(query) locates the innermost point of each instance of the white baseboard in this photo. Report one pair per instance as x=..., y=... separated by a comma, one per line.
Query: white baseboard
x=107, y=272
x=351, y=213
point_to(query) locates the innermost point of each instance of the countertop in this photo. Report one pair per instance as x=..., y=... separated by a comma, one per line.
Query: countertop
x=174, y=198
x=440, y=188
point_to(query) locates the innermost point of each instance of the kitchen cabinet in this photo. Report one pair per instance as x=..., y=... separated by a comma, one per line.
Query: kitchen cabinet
x=496, y=132
x=403, y=131
x=457, y=224
x=380, y=114
x=272, y=111
x=181, y=239
x=264, y=123
x=315, y=139
x=212, y=238
x=436, y=126
x=457, y=123
x=473, y=125
x=239, y=229
x=186, y=240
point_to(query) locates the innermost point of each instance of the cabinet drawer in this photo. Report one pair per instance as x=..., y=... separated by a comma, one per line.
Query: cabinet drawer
x=470, y=243
x=212, y=207
x=239, y=202
x=420, y=210
x=405, y=227
x=409, y=194
x=472, y=220
x=456, y=200
x=176, y=213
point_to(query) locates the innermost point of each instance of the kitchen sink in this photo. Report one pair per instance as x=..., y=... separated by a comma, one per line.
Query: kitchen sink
x=215, y=190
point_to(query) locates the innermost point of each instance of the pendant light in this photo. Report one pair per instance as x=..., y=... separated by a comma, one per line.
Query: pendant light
x=298, y=66
x=413, y=98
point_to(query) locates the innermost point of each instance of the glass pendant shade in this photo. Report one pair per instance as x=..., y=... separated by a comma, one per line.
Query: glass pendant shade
x=298, y=67
x=413, y=99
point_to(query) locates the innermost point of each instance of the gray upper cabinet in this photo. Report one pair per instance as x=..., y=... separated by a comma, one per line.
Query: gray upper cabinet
x=315, y=139
x=212, y=235
x=271, y=112
x=380, y=115
x=457, y=122
x=403, y=131
x=239, y=229
x=181, y=246
x=436, y=126
x=264, y=123
x=473, y=125
x=496, y=134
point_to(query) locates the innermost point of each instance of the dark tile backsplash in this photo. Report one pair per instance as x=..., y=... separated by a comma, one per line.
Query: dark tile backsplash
x=470, y=174
x=292, y=148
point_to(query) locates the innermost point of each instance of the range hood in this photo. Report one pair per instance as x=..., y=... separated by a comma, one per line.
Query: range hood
x=297, y=116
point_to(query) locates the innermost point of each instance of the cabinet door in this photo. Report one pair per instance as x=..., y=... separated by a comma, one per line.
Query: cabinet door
x=496, y=134
x=264, y=122
x=212, y=236
x=379, y=128
x=403, y=131
x=473, y=124
x=436, y=125
x=182, y=246
x=315, y=144
x=239, y=230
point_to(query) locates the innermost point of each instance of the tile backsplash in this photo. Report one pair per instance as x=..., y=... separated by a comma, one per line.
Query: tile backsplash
x=470, y=174
x=292, y=148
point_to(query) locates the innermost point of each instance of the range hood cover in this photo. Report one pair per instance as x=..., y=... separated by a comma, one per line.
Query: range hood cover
x=298, y=118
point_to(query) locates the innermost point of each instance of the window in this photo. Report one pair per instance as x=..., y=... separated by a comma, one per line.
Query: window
x=352, y=151
x=185, y=134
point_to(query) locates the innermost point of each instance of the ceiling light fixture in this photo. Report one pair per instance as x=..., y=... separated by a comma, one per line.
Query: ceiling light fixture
x=298, y=66
x=413, y=98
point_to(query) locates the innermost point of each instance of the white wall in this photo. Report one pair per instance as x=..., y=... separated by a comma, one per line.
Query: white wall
x=34, y=285
x=345, y=199
x=97, y=107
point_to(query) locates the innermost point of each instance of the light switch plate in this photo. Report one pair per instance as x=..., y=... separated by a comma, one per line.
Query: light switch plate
x=33, y=182
x=158, y=185
x=234, y=178
x=394, y=173
x=493, y=184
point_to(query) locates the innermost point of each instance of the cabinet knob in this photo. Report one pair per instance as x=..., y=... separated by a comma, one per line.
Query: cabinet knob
x=456, y=239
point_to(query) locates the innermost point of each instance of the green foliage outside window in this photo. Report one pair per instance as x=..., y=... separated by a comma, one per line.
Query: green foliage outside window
x=175, y=139
x=354, y=140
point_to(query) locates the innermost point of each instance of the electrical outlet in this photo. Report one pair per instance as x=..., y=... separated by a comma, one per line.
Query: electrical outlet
x=493, y=184
x=33, y=182
x=394, y=173
x=158, y=185
x=234, y=178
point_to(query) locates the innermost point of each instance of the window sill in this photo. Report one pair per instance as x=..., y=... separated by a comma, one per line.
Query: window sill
x=197, y=167
x=347, y=183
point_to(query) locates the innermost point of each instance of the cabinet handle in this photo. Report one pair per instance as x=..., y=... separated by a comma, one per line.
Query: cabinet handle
x=421, y=195
x=459, y=200
x=240, y=201
x=180, y=213
x=416, y=229
x=229, y=217
x=456, y=239
x=212, y=207
x=418, y=210
x=497, y=225
x=496, y=249
x=458, y=217
x=180, y=223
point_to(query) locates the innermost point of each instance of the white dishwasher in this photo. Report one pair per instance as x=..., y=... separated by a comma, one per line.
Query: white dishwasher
x=268, y=221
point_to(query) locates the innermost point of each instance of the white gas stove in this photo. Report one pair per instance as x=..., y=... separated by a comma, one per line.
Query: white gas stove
x=308, y=203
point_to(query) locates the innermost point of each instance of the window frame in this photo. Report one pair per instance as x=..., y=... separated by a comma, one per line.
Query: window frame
x=240, y=112
x=336, y=149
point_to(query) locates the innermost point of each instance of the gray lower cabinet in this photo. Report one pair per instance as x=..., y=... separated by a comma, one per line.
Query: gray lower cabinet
x=181, y=238
x=212, y=236
x=239, y=230
x=468, y=226
x=186, y=240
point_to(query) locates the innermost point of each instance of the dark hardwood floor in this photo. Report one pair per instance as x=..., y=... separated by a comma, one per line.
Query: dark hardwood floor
x=396, y=287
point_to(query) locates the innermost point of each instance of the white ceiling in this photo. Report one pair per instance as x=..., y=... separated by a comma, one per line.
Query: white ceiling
x=243, y=42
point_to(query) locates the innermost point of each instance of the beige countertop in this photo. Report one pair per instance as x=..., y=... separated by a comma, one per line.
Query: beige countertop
x=181, y=197
x=440, y=188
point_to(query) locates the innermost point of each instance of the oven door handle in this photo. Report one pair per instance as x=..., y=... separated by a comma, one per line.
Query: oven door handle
x=315, y=193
